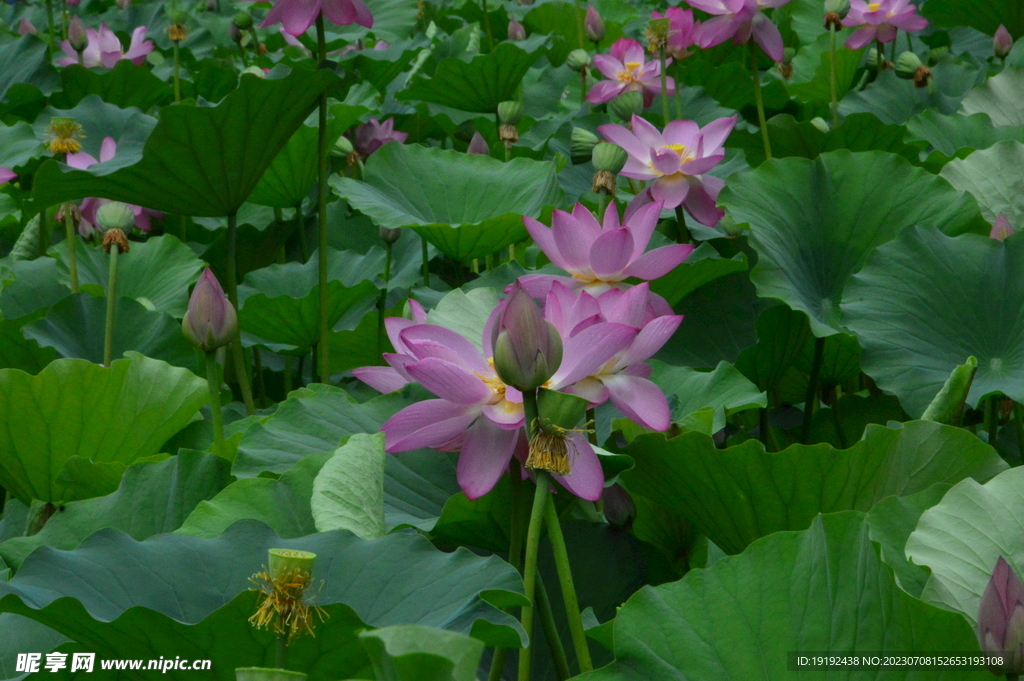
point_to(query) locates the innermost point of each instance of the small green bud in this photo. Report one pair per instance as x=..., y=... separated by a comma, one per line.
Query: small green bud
x=907, y=64
x=254, y=70
x=820, y=124
x=609, y=157
x=243, y=20
x=179, y=17
x=578, y=60
x=115, y=215
x=77, y=37
x=342, y=148
x=510, y=112
x=627, y=104
x=582, y=143
x=388, y=235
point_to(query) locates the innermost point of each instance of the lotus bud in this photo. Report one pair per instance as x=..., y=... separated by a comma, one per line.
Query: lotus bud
x=619, y=509
x=243, y=20
x=627, y=104
x=582, y=145
x=876, y=60
x=25, y=27
x=1001, y=228
x=1001, y=619
x=210, y=321
x=1002, y=42
x=593, y=25
x=388, y=235
x=609, y=157
x=516, y=31
x=478, y=145
x=77, y=37
x=578, y=60
x=527, y=348
x=820, y=124
x=115, y=215
x=236, y=33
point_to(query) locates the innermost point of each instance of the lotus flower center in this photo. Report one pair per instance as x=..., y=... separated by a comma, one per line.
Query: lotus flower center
x=873, y=7
x=496, y=385
x=629, y=75
x=684, y=153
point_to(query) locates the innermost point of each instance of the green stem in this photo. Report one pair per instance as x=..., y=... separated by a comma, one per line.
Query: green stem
x=108, y=336
x=664, y=85
x=547, y=623
x=540, y=497
x=683, y=235
x=177, y=73
x=515, y=552
x=992, y=420
x=497, y=664
x=487, y=26
x=602, y=205
x=287, y=374
x=281, y=654
x=812, y=389
x=323, y=345
x=881, y=58
x=592, y=424
x=679, y=102
x=763, y=426
x=910, y=42
x=245, y=57
x=838, y=420
x=760, y=101
x=426, y=263
x=261, y=385
x=69, y=231
x=580, y=32
x=183, y=228
x=382, y=301
x=572, y=605
x=213, y=384
x=300, y=227
x=892, y=51
x=1018, y=427
x=236, y=344
x=53, y=32
x=832, y=74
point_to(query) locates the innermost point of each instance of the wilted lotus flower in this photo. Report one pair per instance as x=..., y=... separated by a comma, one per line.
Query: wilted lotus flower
x=81, y=161
x=210, y=321
x=627, y=69
x=478, y=145
x=527, y=348
x=104, y=49
x=682, y=34
x=740, y=20
x=372, y=135
x=298, y=15
x=593, y=25
x=1001, y=619
x=516, y=31
x=25, y=27
x=1001, y=228
x=1002, y=42
x=6, y=175
x=880, y=20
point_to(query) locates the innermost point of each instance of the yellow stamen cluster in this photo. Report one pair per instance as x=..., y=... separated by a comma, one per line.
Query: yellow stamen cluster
x=283, y=606
x=550, y=448
x=62, y=136
x=177, y=32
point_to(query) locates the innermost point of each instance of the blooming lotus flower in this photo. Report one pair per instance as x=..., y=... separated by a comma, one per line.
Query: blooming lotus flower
x=628, y=70
x=393, y=377
x=677, y=161
x=6, y=175
x=210, y=321
x=740, y=20
x=298, y=15
x=482, y=417
x=87, y=223
x=681, y=31
x=372, y=135
x=880, y=20
x=104, y=49
x=1001, y=619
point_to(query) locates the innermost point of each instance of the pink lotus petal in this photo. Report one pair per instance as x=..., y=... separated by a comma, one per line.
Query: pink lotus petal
x=486, y=452
x=716, y=132
x=766, y=34
x=640, y=400
x=107, y=149
x=138, y=48
x=681, y=132
x=538, y=285
x=604, y=91
x=651, y=338
x=80, y=160
x=671, y=190
x=506, y=414
x=699, y=166
x=6, y=175
x=381, y=379
x=616, y=134
x=430, y=340
x=431, y=423
x=573, y=240
x=296, y=15
x=449, y=381
x=861, y=37
x=665, y=161
x=659, y=262
x=625, y=307
x=587, y=351
x=647, y=134
x=611, y=253
x=642, y=223
x=700, y=203
x=587, y=478
x=609, y=66
x=590, y=389
x=717, y=30
x=545, y=240
x=886, y=33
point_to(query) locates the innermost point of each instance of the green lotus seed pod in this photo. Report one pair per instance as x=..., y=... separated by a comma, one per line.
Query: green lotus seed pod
x=840, y=7
x=286, y=561
x=610, y=157
x=342, y=148
x=115, y=215
x=907, y=64
x=578, y=60
x=582, y=144
x=243, y=20
x=510, y=112
x=627, y=104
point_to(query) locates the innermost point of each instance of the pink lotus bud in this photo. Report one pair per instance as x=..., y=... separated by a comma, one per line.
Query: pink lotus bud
x=527, y=348
x=74, y=3
x=1001, y=228
x=478, y=145
x=516, y=31
x=124, y=4
x=210, y=320
x=77, y=37
x=593, y=25
x=1001, y=619
x=1002, y=43
x=25, y=27
x=6, y=175
x=619, y=509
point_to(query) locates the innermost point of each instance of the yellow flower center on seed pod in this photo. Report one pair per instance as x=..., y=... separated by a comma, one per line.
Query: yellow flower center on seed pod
x=873, y=7
x=63, y=135
x=685, y=155
x=629, y=75
x=496, y=385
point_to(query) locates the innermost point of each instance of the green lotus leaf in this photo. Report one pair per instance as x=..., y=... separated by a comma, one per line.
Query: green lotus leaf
x=348, y=492
x=742, y=493
x=18, y=352
x=725, y=390
x=814, y=223
x=28, y=64
x=128, y=127
x=895, y=101
x=984, y=16
x=995, y=176
x=812, y=70
x=410, y=652
x=999, y=97
x=126, y=85
x=950, y=134
x=35, y=287
x=703, y=266
x=18, y=144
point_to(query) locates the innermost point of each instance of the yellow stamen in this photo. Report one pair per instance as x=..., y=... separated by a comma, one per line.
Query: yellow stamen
x=496, y=385
x=283, y=605
x=62, y=136
x=550, y=448
x=873, y=7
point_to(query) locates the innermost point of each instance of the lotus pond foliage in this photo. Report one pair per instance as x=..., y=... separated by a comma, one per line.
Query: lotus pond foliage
x=519, y=340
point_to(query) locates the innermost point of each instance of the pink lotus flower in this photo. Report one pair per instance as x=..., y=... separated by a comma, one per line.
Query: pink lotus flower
x=740, y=20
x=628, y=70
x=372, y=135
x=87, y=224
x=298, y=15
x=880, y=20
x=601, y=257
x=681, y=31
x=1001, y=228
x=104, y=49
x=6, y=175
x=677, y=161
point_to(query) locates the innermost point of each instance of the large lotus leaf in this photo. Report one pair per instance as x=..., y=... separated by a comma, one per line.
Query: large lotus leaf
x=950, y=134
x=179, y=595
x=153, y=498
x=22, y=635
x=467, y=205
x=703, y=266
x=925, y=303
x=128, y=127
x=814, y=223
x=782, y=335
x=348, y=492
x=829, y=591
x=392, y=20
x=294, y=171
x=999, y=97
x=280, y=303
x=895, y=101
x=27, y=61
x=724, y=390
x=477, y=85
x=35, y=286
x=811, y=80
x=742, y=493
x=995, y=176
x=126, y=85
x=409, y=652
x=18, y=144
x=157, y=272
x=980, y=14
x=76, y=327
x=960, y=538
x=312, y=420
x=18, y=352
x=77, y=408
x=201, y=161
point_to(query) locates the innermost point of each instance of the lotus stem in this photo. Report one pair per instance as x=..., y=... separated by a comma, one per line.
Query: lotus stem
x=301, y=229
x=236, y=345
x=892, y=50
x=683, y=235
x=177, y=73
x=572, y=606
x=487, y=25
x=383, y=300
x=592, y=418
x=664, y=84
x=323, y=346
x=992, y=419
x=281, y=651
x=108, y=335
x=213, y=384
x=53, y=31
x=763, y=426
x=547, y=622
x=287, y=374
x=580, y=12
x=261, y=385
x=760, y=101
x=515, y=552
x=69, y=231
x=880, y=60
x=837, y=419
x=1018, y=427
x=812, y=389
x=832, y=74
x=540, y=497
x=426, y=262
